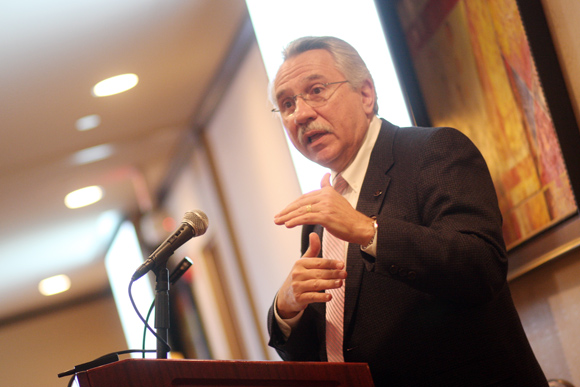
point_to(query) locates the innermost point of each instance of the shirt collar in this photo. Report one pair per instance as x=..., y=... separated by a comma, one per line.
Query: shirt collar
x=355, y=173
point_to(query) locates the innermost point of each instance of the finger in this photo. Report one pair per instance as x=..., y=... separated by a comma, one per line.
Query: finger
x=299, y=203
x=307, y=269
x=289, y=208
x=309, y=263
x=316, y=285
x=294, y=212
x=313, y=246
x=313, y=291
x=312, y=297
x=296, y=208
x=325, y=181
x=326, y=275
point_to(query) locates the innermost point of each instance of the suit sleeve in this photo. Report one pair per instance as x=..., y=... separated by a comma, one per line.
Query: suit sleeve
x=443, y=235
x=303, y=343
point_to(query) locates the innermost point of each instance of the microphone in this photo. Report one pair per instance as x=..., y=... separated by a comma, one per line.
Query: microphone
x=180, y=270
x=194, y=224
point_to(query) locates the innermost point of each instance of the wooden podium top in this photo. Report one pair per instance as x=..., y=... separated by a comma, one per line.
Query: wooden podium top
x=165, y=372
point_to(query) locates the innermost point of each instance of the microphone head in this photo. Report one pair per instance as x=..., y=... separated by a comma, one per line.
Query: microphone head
x=197, y=219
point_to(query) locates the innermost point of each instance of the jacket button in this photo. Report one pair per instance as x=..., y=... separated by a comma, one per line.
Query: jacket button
x=412, y=275
x=394, y=269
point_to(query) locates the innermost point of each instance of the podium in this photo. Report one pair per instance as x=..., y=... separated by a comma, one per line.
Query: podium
x=166, y=373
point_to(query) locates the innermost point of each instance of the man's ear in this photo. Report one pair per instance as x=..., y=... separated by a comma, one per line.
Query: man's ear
x=368, y=96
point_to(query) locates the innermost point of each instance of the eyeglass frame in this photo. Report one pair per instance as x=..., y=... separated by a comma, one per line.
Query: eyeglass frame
x=301, y=95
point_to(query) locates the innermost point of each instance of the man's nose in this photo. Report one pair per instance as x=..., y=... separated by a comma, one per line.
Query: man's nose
x=303, y=112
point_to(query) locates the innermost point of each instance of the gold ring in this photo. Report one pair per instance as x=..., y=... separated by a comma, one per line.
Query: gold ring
x=309, y=208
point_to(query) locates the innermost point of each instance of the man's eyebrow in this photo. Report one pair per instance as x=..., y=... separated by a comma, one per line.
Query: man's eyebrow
x=280, y=93
x=313, y=77
x=310, y=78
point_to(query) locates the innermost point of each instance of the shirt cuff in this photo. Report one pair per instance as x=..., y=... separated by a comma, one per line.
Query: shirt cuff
x=286, y=324
x=372, y=248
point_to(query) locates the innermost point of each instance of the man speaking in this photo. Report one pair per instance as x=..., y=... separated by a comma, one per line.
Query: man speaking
x=404, y=264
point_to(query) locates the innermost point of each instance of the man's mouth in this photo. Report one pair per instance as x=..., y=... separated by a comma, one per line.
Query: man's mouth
x=312, y=138
x=312, y=133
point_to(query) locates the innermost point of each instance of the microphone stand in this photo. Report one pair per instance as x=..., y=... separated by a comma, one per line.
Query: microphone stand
x=162, y=310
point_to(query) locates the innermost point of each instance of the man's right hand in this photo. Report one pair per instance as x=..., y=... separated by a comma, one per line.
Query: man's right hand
x=309, y=277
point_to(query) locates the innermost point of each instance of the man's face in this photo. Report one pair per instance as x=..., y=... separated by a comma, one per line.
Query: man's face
x=331, y=134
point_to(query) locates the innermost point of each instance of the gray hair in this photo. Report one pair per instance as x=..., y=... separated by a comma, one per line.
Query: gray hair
x=347, y=59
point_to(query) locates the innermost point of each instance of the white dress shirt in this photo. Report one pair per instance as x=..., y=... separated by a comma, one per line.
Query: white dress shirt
x=354, y=174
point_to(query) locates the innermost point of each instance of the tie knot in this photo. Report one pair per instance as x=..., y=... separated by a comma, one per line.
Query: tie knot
x=340, y=184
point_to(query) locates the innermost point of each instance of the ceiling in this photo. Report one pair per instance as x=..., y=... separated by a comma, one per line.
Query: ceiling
x=51, y=54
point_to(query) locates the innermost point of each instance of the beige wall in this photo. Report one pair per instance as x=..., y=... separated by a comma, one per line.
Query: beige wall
x=562, y=18
x=34, y=351
x=548, y=301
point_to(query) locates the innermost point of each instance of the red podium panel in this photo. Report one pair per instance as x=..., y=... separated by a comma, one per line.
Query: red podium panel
x=169, y=373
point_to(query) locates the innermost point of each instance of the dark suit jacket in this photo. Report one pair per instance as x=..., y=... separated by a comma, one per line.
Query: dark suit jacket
x=433, y=308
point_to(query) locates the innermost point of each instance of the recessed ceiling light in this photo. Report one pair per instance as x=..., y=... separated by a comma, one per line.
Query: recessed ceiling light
x=88, y=122
x=92, y=154
x=115, y=85
x=83, y=197
x=54, y=285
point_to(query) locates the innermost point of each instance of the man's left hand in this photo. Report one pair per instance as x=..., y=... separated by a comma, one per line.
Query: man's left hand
x=332, y=211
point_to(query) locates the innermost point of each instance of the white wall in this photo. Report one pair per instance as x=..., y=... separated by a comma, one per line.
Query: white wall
x=258, y=178
x=247, y=144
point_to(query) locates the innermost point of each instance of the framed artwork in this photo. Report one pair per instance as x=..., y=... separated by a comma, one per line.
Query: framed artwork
x=472, y=65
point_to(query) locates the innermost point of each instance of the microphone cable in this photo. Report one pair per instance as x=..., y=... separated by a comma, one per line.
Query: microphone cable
x=175, y=275
x=100, y=361
x=147, y=326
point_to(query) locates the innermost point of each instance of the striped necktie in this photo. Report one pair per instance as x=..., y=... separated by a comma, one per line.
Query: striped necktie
x=334, y=248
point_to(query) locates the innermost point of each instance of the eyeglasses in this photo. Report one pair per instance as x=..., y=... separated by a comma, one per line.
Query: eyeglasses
x=316, y=96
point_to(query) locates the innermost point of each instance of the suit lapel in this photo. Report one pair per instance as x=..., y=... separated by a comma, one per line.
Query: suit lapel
x=370, y=202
